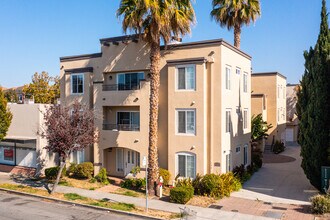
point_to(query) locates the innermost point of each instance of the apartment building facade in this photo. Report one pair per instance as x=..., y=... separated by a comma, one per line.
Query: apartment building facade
x=22, y=150
x=273, y=86
x=292, y=122
x=204, y=110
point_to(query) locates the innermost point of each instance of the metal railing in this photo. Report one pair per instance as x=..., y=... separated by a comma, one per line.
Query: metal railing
x=121, y=127
x=121, y=87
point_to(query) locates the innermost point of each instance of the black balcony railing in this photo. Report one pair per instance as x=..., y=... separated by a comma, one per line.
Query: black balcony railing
x=121, y=127
x=121, y=87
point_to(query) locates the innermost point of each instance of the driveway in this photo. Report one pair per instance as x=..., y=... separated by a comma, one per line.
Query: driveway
x=280, y=180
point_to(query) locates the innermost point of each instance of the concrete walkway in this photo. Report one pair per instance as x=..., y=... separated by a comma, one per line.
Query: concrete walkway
x=202, y=213
x=279, y=182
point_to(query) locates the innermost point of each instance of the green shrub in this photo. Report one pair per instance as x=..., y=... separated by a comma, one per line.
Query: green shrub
x=102, y=176
x=136, y=184
x=187, y=182
x=212, y=185
x=166, y=176
x=320, y=204
x=84, y=171
x=51, y=172
x=278, y=147
x=135, y=170
x=239, y=171
x=71, y=170
x=197, y=184
x=231, y=183
x=257, y=160
x=181, y=194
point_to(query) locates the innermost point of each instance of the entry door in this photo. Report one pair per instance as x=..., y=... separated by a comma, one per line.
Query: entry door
x=130, y=161
x=289, y=134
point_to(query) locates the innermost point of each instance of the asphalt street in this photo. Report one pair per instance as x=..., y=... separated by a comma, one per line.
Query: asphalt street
x=28, y=208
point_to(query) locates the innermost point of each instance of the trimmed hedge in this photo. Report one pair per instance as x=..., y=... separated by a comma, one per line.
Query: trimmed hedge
x=181, y=194
x=51, y=172
x=102, y=176
x=136, y=184
x=84, y=171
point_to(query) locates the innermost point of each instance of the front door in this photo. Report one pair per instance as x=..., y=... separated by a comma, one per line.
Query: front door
x=130, y=161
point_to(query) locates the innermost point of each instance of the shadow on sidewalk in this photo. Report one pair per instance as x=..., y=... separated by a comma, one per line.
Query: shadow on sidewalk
x=32, y=182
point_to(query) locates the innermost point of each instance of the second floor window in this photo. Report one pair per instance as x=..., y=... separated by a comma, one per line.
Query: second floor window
x=129, y=81
x=128, y=120
x=186, y=78
x=245, y=82
x=245, y=119
x=228, y=120
x=228, y=75
x=186, y=120
x=77, y=83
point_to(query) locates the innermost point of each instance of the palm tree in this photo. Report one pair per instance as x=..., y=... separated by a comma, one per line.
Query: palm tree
x=235, y=14
x=156, y=20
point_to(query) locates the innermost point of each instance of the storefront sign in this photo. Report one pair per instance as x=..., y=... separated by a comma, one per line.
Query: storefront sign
x=8, y=154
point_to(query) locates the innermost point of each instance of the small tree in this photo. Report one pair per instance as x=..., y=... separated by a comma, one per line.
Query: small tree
x=5, y=116
x=68, y=129
x=11, y=95
x=44, y=88
x=259, y=128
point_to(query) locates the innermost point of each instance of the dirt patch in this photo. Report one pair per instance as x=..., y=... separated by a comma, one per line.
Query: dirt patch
x=276, y=158
x=201, y=201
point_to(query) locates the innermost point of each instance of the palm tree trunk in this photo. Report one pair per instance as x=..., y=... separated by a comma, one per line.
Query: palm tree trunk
x=153, y=117
x=237, y=36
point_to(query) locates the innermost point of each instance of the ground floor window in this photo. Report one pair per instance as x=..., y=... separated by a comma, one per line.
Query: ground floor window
x=77, y=157
x=7, y=155
x=228, y=162
x=186, y=165
x=246, y=154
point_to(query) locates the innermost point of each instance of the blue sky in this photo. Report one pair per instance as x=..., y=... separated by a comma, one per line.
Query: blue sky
x=35, y=33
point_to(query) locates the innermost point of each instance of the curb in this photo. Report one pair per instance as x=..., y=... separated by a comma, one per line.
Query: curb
x=80, y=205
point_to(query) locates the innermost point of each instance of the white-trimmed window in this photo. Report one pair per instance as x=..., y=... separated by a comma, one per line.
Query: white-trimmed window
x=238, y=149
x=228, y=76
x=245, y=85
x=77, y=157
x=228, y=120
x=278, y=91
x=245, y=160
x=186, y=165
x=284, y=91
x=238, y=70
x=245, y=118
x=228, y=162
x=278, y=114
x=77, y=83
x=186, y=77
x=186, y=121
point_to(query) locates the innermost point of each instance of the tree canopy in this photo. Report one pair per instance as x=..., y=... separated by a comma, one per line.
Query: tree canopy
x=68, y=129
x=313, y=105
x=235, y=14
x=5, y=116
x=43, y=88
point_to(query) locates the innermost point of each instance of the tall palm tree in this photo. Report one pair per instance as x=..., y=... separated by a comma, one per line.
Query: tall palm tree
x=156, y=20
x=235, y=14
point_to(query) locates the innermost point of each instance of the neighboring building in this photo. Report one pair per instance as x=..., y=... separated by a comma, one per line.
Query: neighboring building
x=204, y=110
x=259, y=106
x=273, y=86
x=23, y=150
x=292, y=121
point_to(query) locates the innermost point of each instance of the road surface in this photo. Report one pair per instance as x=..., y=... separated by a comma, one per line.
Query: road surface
x=28, y=208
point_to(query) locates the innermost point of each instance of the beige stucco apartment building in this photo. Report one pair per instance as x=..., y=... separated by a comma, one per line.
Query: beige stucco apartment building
x=292, y=122
x=269, y=93
x=204, y=112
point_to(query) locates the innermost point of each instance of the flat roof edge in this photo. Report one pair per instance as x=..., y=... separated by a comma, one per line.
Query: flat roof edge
x=268, y=74
x=80, y=57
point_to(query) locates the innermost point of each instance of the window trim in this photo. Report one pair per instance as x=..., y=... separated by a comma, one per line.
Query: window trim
x=177, y=121
x=230, y=127
x=239, y=70
x=245, y=82
x=245, y=124
x=238, y=147
x=246, y=148
x=177, y=78
x=71, y=83
x=177, y=163
x=228, y=79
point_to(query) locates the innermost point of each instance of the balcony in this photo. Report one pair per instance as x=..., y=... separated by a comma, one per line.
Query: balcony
x=121, y=87
x=121, y=127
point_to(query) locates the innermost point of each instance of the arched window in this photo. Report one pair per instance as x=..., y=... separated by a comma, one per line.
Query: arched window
x=186, y=165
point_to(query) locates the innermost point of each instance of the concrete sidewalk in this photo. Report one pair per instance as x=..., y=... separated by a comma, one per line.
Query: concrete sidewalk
x=202, y=213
